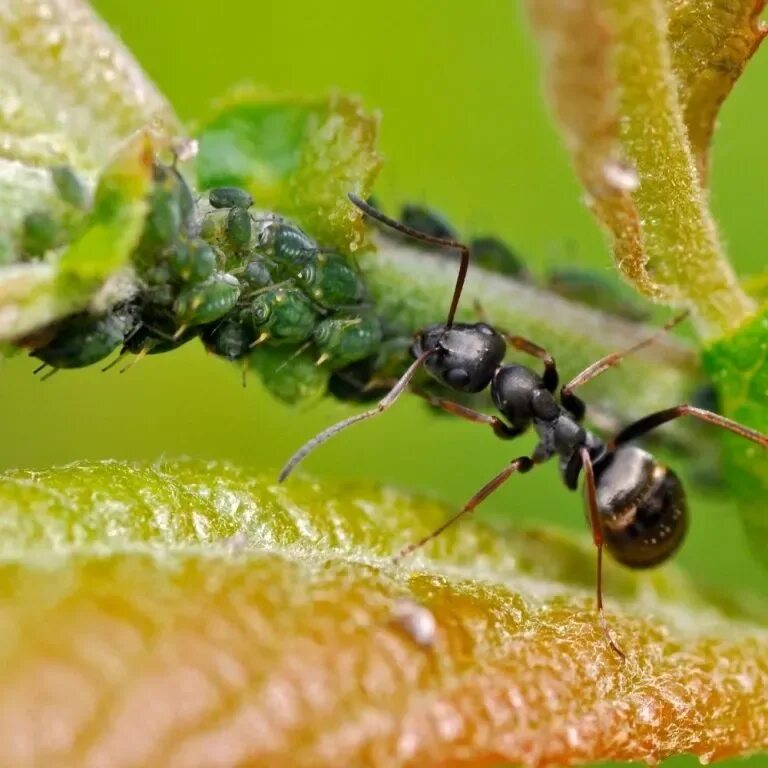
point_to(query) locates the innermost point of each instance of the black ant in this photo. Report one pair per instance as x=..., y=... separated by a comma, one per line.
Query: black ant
x=636, y=506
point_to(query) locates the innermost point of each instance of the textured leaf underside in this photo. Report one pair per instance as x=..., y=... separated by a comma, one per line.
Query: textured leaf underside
x=187, y=613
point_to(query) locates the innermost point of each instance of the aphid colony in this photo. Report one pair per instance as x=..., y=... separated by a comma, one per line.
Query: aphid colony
x=217, y=269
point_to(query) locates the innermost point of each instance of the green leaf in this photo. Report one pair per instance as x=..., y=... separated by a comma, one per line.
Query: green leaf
x=299, y=158
x=70, y=94
x=35, y=294
x=738, y=365
x=185, y=613
x=633, y=83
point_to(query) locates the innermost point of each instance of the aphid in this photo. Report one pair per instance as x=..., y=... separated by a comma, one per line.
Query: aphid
x=281, y=315
x=40, y=232
x=192, y=261
x=238, y=228
x=426, y=220
x=493, y=254
x=256, y=274
x=636, y=505
x=331, y=281
x=230, y=197
x=84, y=339
x=69, y=187
x=292, y=247
x=599, y=291
x=343, y=340
x=229, y=339
x=288, y=375
x=205, y=302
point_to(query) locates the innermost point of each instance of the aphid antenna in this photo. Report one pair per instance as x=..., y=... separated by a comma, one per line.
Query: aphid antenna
x=303, y=348
x=384, y=404
x=461, y=276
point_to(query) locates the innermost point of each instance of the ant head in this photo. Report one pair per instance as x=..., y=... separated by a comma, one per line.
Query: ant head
x=642, y=502
x=465, y=355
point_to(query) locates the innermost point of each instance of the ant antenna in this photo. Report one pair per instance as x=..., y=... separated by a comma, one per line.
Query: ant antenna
x=369, y=210
x=387, y=401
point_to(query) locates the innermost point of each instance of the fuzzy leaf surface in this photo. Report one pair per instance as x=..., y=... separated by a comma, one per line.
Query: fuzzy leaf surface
x=188, y=613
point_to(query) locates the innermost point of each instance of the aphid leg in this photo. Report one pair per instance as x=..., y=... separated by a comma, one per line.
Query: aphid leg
x=111, y=365
x=245, y=371
x=369, y=210
x=180, y=332
x=590, y=491
x=143, y=352
x=39, y=368
x=263, y=336
x=521, y=465
x=610, y=361
x=653, y=420
x=50, y=373
x=499, y=428
x=384, y=404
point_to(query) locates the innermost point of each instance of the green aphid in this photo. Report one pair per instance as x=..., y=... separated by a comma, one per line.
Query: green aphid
x=230, y=339
x=601, y=291
x=344, y=340
x=40, y=233
x=183, y=194
x=84, y=339
x=206, y=302
x=282, y=316
x=238, y=229
x=192, y=261
x=290, y=376
x=230, y=197
x=292, y=248
x=495, y=255
x=331, y=281
x=69, y=187
x=164, y=217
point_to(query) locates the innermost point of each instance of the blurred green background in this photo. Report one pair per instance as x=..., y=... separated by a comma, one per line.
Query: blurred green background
x=465, y=129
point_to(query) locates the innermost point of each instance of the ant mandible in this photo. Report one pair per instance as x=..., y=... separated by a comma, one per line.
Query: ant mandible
x=636, y=506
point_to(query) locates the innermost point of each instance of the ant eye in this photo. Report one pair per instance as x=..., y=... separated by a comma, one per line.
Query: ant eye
x=456, y=377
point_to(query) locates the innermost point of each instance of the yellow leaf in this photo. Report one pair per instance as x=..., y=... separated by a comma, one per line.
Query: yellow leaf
x=610, y=70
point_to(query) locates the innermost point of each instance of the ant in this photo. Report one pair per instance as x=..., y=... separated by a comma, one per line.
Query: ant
x=636, y=506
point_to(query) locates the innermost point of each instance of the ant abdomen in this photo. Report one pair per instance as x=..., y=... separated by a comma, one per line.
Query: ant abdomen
x=643, y=508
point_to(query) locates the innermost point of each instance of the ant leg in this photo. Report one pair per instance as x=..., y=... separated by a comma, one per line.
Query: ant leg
x=590, y=490
x=522, y=464
x=653, y=420
x=550, y=376
x=499, y=428
x=423, y=237
x=610, y=361
x=385, y=403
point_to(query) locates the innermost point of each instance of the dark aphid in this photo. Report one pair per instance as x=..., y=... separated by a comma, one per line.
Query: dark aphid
x=601, y=291
x=331, y=281
x=155, y=332
x=192, y=261
x=84, y=339
x=495, y=255
x=230, y=197
x=428, y=221
x=281, y=315
x=206, y=302
x=69, y=187
x=636, y=506
x=257, y=274
x=40, y=233
x=344, y=340
x=228, y=338
x=238, y=228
